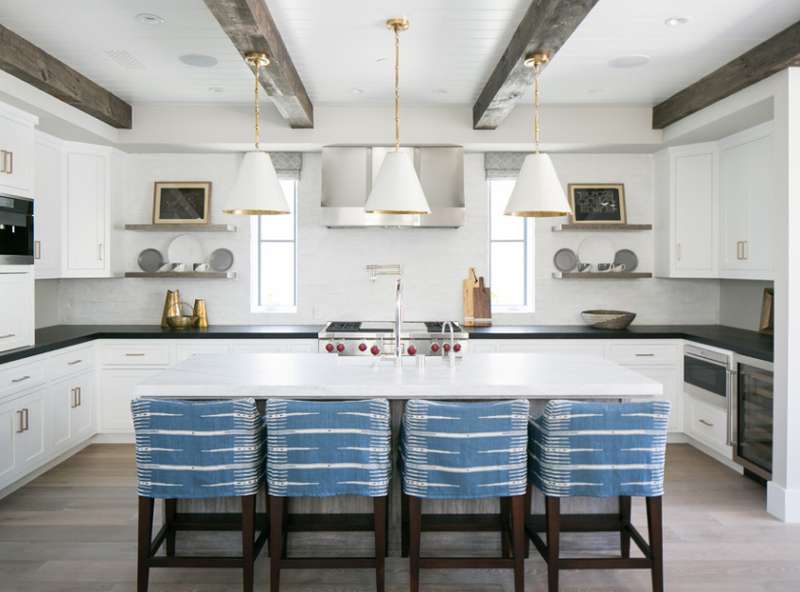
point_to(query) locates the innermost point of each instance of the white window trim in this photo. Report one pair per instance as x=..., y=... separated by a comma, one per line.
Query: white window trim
x=255, y=260
x=530, y=252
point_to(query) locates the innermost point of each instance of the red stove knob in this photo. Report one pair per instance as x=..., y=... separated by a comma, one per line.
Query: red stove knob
x=340, y=347
x=411, y=350
x=374, y=350
x=435, y=347
x=457, y=347
x=329, y=347
x=362, y=347
x=446, y=347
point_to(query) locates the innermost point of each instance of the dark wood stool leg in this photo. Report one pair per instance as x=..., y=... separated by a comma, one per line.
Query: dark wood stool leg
x=379, y=507
x=654, y=527
x=518, y=529
x=505, y=518
x=625, y=519
x=528, y=502
x=553, y=519
x=170, y=513
x=248, y=542
x=404, y=524
x=414, y=535
x=276, y=506
x=146, y=505
x=285, y=542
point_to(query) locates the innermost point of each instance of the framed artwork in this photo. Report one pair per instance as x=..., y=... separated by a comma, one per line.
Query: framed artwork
x=181, y=203
x=597, y=203
x=767, y=322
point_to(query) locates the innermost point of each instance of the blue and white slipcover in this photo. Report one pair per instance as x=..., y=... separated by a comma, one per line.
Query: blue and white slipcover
x=464, y=450
x=599, y=449
x=198, y=449
x=322, y=449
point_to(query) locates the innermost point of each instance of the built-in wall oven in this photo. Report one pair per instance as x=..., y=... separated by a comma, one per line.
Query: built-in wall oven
x=16, y=231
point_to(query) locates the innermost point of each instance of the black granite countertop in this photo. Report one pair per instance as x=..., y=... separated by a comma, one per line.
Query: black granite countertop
x=749, y=343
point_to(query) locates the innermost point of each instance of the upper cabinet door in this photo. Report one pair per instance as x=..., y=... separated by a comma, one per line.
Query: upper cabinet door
x=47, y=208
x=86, y=214
x=695, y=190
x=746, y=205
x=16, y=155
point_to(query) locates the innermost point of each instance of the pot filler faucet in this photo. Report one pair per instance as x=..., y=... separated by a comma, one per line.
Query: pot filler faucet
x=451, y=355
x=398, y=323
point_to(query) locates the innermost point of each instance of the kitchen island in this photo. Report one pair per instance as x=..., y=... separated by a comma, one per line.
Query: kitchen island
x=473, y=376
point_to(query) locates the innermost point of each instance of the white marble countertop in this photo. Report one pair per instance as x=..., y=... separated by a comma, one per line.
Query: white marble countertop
x=484, y=376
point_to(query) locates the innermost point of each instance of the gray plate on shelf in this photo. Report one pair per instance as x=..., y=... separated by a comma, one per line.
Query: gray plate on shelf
x=627, y=258
x=565, y=260
x=220, y=260
x=150, y=260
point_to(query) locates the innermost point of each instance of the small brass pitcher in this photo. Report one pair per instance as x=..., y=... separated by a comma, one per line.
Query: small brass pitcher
x=199, y=311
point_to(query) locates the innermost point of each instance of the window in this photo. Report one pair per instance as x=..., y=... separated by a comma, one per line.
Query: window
x=274, y=257
x=510, y=253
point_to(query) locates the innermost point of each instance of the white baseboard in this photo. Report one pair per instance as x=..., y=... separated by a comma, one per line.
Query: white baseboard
x=22, y=481
x=713, y=454
x=114, y=438
x=783, y=503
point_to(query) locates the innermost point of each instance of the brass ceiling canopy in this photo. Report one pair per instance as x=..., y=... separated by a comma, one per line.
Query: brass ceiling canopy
x=257, y=59
x=398, y=24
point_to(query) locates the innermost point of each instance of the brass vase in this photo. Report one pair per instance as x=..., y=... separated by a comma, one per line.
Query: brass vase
x=172, y=307
x=199, y=311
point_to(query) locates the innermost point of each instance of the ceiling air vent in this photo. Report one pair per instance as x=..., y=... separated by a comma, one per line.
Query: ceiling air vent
x=125, y=59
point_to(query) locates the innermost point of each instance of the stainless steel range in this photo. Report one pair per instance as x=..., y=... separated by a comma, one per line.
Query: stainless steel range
x=376, y=338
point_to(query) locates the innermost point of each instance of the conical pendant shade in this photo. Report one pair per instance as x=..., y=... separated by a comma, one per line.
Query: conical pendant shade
x=538, y=192
x=397, y=189
x=256, y=191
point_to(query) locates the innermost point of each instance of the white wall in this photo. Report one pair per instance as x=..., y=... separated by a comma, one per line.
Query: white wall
x=740, y=303
x=332, y=273
x=47, y=306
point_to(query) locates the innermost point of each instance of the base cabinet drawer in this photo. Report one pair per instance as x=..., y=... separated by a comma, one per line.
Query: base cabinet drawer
x=136, y=354
x=645, y=354
x=707, y=424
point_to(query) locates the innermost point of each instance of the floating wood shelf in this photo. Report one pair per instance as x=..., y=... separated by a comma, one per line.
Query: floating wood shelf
x=605, y=275
x=596, y=227
x=208, y=275
x=183, y=227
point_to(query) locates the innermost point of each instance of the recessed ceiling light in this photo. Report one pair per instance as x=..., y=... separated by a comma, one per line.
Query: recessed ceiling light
x=216, y=89
x=633, y=61
x=149, y=19
x=440, y=91
x=357, y=91
x=198, y=60
x=594, y=91
x=677, y=21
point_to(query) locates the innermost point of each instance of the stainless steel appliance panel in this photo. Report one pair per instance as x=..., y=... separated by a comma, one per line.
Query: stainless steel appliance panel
x=707, y=374
x=753, y=416
x=16, y=231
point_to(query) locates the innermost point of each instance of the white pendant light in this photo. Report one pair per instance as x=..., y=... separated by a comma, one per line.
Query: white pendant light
x=397, y=189
x=256, y=191
x=538, y=192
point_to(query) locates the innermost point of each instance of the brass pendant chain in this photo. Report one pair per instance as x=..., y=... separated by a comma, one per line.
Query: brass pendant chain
x=536, y=102
x=397, y=88
x=258, y=65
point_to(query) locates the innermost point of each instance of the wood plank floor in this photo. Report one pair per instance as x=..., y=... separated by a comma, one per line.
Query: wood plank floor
x=74, y=529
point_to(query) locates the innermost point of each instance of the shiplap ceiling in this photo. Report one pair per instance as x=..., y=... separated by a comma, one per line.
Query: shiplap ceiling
x=446, y=56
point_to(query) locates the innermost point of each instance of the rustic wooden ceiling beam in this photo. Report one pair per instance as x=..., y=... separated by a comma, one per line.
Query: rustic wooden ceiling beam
x=545, y=27
x=25, y=61
x=764, y=60
x=250, y=27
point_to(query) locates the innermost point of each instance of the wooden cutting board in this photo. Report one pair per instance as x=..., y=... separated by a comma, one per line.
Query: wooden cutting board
x=477, y=302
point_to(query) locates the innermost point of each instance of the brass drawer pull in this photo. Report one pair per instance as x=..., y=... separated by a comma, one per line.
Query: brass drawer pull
x=37, y=249
x=645, y=355
x=21, y=428
x=74, y=396
x=704, y=422
x=7, y=336
x=80, y=399
x=74, y=362
x=26, y=419
x=20, y=379
x=10, y=170
x=134, y=355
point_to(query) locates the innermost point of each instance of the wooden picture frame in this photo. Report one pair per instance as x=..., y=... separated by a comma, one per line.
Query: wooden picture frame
x=597, y=203
x=181, y=202
x=767, y=322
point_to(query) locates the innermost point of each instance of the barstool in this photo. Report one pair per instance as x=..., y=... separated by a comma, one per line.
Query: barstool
x=323, y=449
x=599, y=450
x=196, y=450
x=464, y=451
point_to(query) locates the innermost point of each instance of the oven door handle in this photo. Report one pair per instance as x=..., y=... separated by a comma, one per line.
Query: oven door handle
x=732, y=389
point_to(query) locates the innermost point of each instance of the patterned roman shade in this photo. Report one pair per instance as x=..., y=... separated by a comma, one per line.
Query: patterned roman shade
x=599, y=449
x=503, y=165
x=198, y=449
x=464, y=450
x=288, y=165
x=322, y=449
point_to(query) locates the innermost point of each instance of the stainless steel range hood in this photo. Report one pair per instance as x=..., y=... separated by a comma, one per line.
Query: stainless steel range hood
x=348, y=173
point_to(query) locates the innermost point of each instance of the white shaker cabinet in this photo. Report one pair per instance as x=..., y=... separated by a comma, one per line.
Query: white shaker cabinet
x=686, y=227
x=94, y=181
x=72, y=408
x=746, y=205
x=16, y=311
x=24, y=440
x=47, y=246
x=16, y=151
